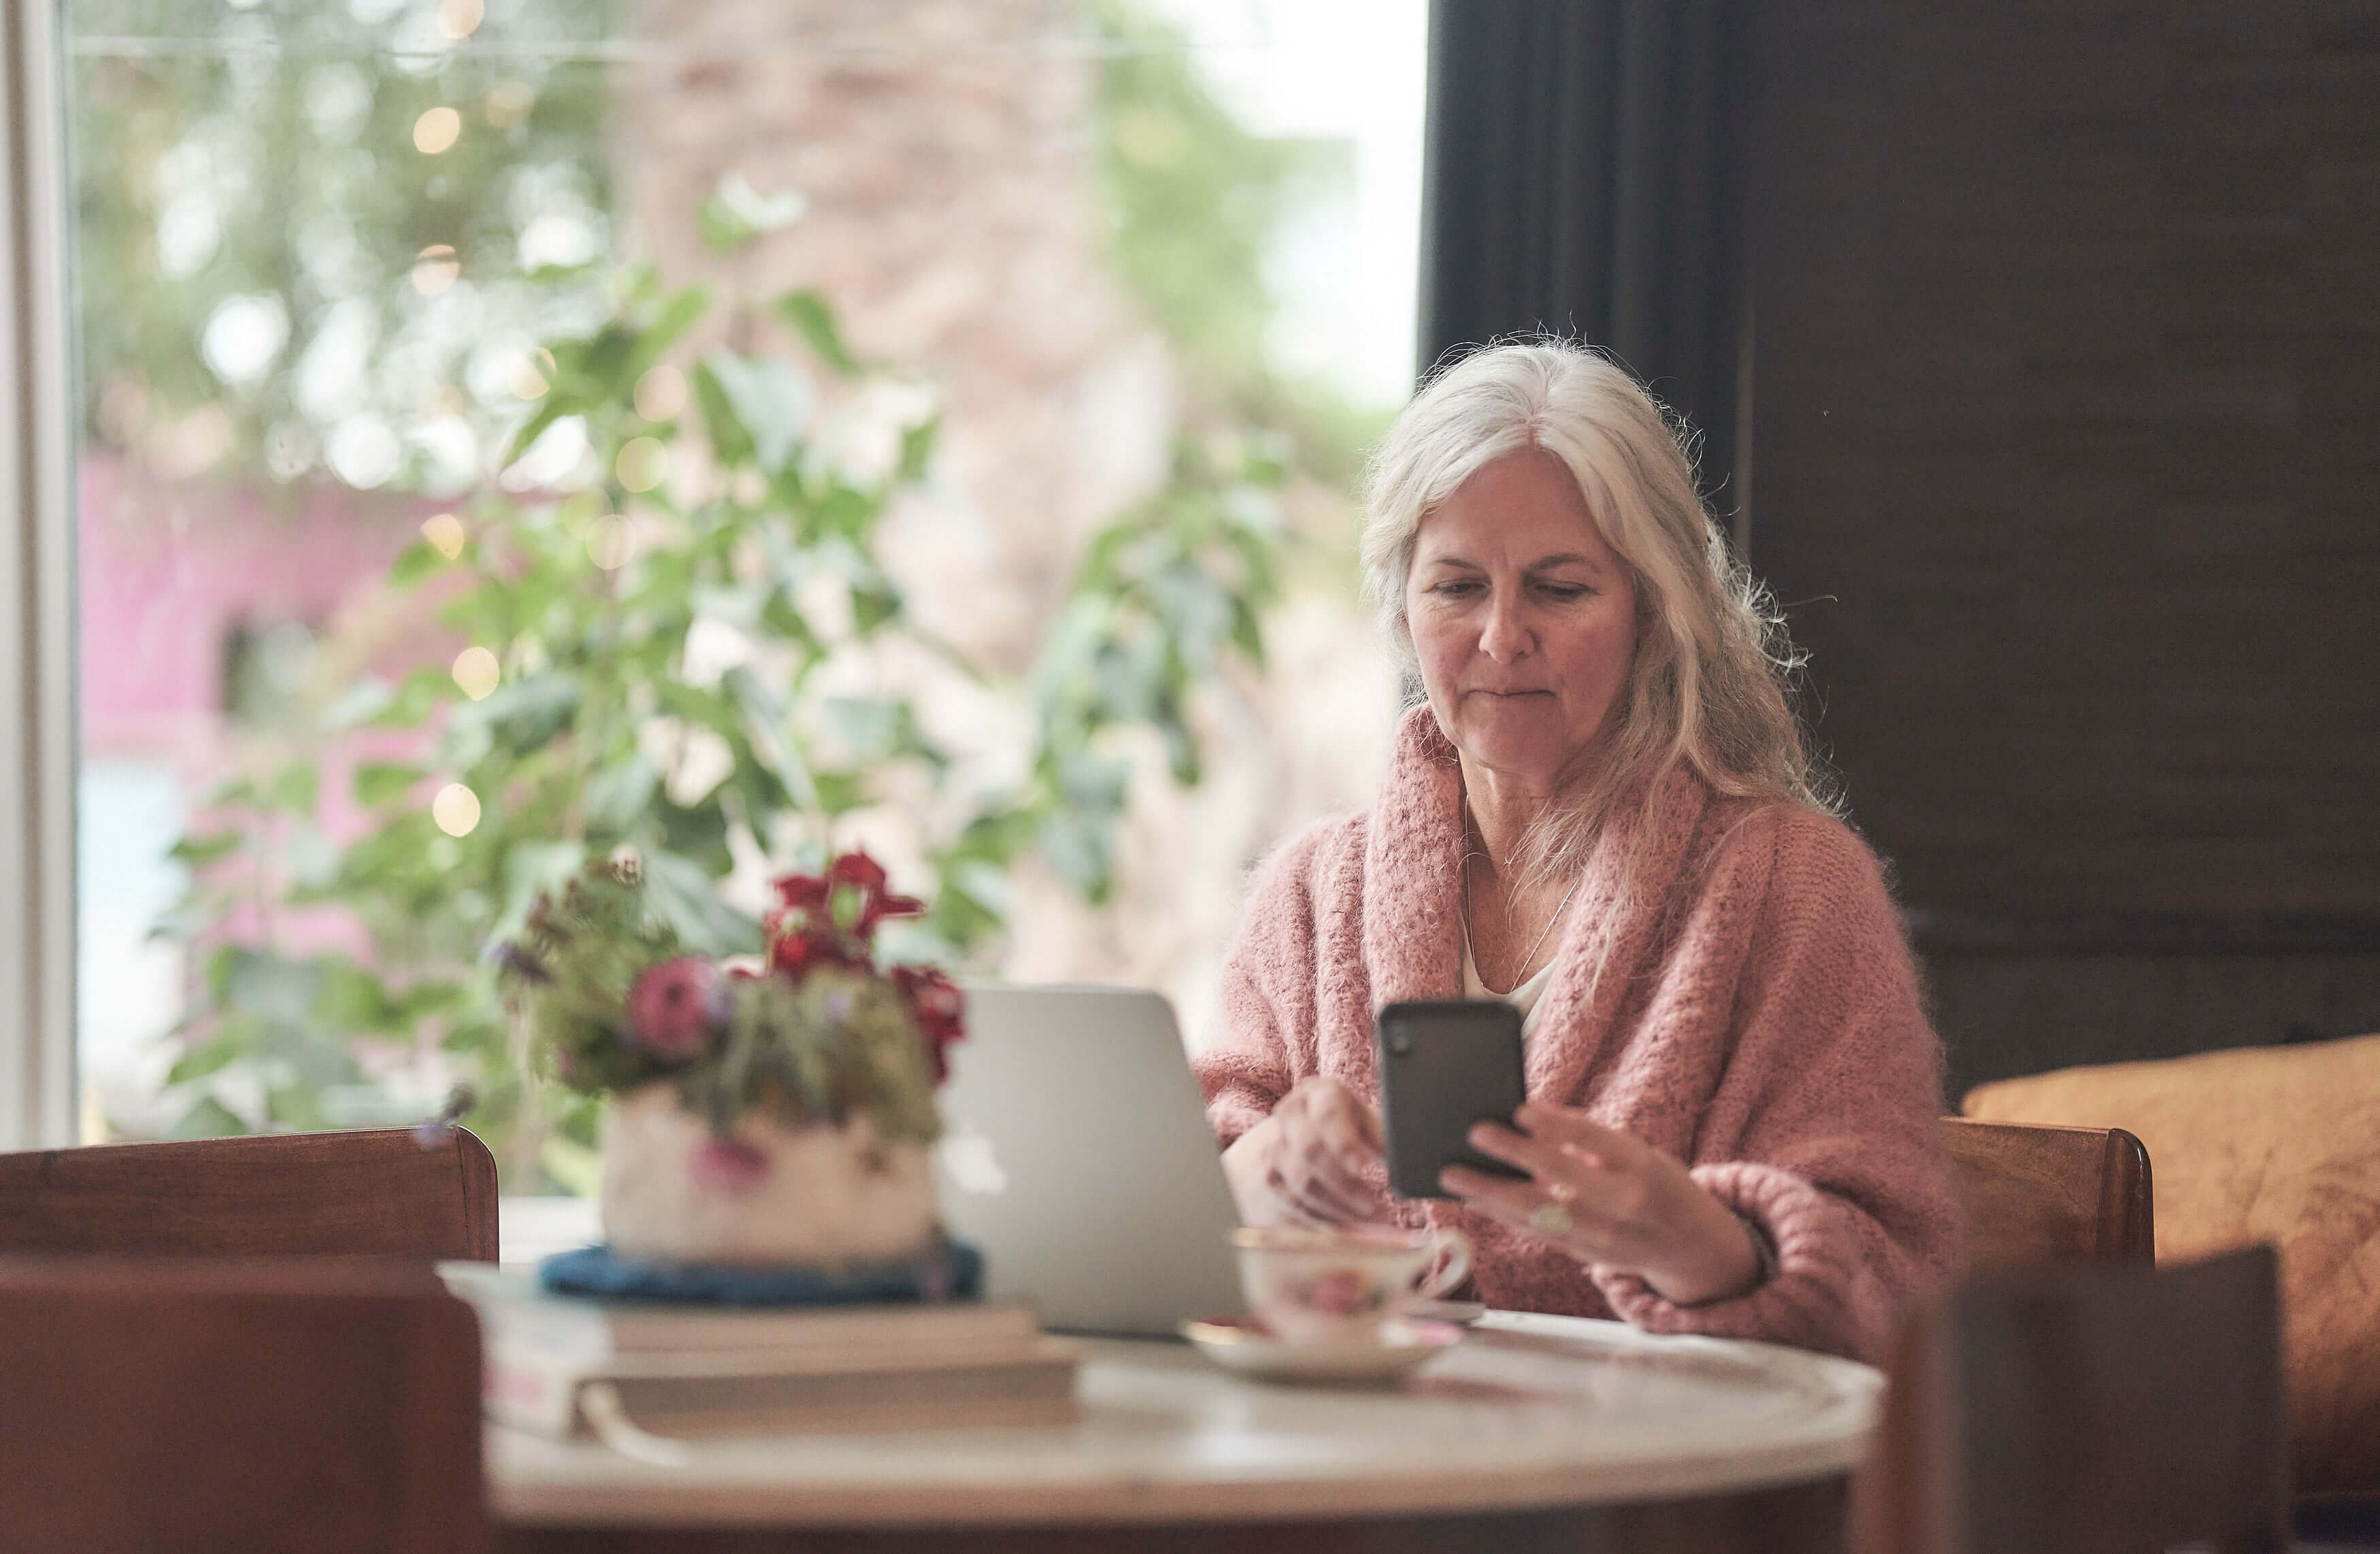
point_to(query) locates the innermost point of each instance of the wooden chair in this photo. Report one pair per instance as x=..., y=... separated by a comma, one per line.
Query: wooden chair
x=2107, y=1409
x=2044, y=1194
x=236, y=1404
x=377, y=1192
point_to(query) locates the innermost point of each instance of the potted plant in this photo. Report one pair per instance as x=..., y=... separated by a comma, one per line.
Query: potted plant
x=770, y=1115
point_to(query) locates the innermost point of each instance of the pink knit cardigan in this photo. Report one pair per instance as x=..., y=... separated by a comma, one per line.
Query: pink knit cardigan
x=1757, y=1017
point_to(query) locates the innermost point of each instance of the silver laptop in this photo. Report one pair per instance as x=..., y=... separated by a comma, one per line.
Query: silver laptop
x=1077, y=1155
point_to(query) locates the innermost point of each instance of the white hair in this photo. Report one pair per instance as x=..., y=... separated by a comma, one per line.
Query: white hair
x=1709, y=686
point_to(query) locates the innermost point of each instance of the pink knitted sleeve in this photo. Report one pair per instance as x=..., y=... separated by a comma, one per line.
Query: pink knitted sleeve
x=1270, y=1019
x=1826, y=1127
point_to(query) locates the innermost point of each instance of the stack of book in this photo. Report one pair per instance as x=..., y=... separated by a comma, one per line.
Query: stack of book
x=556, y=1364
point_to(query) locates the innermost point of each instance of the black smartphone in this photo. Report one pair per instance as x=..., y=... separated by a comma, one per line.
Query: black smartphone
x=1443, y=1067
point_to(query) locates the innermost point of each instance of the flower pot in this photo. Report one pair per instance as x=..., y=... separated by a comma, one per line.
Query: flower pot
x=818, y=1196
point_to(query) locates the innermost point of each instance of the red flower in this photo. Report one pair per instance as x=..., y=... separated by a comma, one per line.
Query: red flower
x=940, y=1010
x=674, y=1006
x=828, y=919
x=851, y=895
x=867, y=876
x=802, y=892
x=799, y=951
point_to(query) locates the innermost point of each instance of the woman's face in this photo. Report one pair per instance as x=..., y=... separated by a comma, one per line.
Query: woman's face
x=1525, y=619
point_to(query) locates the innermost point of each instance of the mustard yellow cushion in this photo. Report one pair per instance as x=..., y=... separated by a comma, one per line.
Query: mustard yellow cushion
x=2263, y=1143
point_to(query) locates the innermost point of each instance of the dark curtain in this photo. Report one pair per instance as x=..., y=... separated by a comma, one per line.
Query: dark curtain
x=1580, y=177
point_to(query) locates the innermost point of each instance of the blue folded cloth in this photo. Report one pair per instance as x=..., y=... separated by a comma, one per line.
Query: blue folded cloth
x=948, y=1270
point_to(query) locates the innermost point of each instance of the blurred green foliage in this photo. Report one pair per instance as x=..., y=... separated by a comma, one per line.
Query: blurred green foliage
x=254, y=172
x=587, y=584
x=1193, y=199
x=712, y=509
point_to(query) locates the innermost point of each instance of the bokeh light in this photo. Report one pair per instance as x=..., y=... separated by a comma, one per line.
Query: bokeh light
x=434, y=269
x=534, y=375
x=477, y=673
x=642, y=465
x=437, y=131
x=660, y=393
x=609, y=543
x=509, y=102
x=456, y=809
x=459, y=18
x=444, y=531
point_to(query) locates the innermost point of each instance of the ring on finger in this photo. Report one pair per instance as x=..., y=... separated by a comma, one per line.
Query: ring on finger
x=1561, y=1193
x=1549, y=1219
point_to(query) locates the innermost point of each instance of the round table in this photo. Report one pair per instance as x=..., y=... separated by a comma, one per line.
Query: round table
x=1536, y=1431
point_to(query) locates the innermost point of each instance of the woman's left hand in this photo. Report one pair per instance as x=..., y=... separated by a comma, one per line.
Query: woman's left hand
x=1606, y=1197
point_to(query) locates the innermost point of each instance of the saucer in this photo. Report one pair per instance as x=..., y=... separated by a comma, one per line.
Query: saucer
x=1244, y=1344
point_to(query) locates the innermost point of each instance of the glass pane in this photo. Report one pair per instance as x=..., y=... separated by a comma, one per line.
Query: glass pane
x=989, y=505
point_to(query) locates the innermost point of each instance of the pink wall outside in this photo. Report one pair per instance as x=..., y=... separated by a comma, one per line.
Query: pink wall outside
x=165, y=575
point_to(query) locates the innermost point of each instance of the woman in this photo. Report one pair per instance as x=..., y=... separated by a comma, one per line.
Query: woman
x=1605, y=815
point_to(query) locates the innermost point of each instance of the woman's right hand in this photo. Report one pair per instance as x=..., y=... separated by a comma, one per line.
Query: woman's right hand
x=1305, y=1164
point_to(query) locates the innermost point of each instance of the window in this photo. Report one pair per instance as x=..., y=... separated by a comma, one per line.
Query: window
x=1011, y=278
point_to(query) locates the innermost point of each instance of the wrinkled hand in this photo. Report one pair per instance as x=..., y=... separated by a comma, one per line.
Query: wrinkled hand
x=1608, y=1199
x=1305, y=1164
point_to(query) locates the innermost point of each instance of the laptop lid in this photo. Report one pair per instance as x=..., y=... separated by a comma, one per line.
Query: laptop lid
x=1077, y=1155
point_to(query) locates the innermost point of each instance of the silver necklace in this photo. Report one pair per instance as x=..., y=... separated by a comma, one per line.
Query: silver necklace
x=1538, y=943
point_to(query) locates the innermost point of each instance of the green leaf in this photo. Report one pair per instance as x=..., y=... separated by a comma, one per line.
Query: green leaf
x=527, y=714
x=735, y=213
x=208, y=1057
x=352, y=999
x=414, y=563
x=532, y=869
x=380, y=781
x=839, y=792
x=200, y=851
x=772, y=734
x=918, y=447
x=769, y=400
x=209, y=1119
x=426, y=997
x=730, y=440
x=1247, y=633
x=360, y=703
x=550, y=409
x=484, y=1037
x=846, y=514
x=681, y=312
x=621, y=793
x=295, y=789
x=681, y=892
x=814, y=322
x=872, y=728
x=420, y=694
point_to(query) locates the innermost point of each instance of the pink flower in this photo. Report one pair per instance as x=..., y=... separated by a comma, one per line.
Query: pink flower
x=673, y=1008
x=729, y=1166
x=1341, y=1293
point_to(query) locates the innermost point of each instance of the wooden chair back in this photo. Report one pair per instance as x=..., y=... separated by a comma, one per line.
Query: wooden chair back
x=2044, y=1194
x=378, y=1193
x=232, y=1404
x=2108, y=1409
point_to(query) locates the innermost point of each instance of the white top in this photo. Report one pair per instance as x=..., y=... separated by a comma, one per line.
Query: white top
x=1523, y=998
x=1527, y=1412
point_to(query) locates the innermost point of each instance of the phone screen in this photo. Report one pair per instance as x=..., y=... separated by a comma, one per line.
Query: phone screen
x=1443, y=1067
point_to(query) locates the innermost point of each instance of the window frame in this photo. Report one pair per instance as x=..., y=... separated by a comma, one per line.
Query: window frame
x=37, y=618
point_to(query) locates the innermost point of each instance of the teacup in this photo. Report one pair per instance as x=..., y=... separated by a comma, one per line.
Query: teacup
x=1320, y=1286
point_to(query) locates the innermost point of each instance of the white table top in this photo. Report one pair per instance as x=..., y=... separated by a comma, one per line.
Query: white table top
x=1530, y=1412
